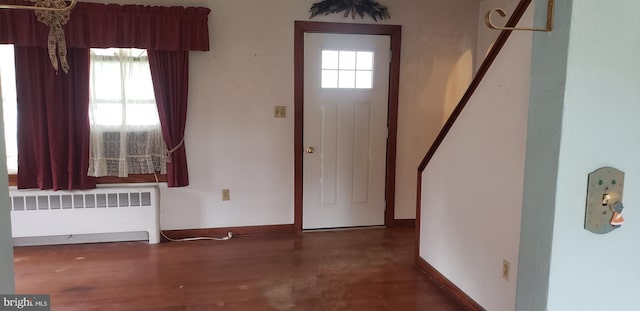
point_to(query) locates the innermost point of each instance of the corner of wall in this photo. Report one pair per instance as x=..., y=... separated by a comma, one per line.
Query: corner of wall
x=7, y=285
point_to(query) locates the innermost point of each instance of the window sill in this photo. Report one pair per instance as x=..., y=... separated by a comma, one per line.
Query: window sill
x=132, y=179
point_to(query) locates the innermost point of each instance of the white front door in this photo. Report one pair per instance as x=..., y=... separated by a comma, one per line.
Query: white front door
x=345, y=130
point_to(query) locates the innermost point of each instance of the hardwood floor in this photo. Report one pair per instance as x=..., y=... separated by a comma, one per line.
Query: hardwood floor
x=371, y=269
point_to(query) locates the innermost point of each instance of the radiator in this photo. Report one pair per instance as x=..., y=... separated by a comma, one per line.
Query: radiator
x=38, y=213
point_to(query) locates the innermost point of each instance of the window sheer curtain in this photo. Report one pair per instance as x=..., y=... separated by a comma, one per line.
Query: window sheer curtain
x=126, y=137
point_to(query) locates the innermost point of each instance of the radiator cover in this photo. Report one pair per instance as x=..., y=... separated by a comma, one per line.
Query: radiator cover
x=41, y=213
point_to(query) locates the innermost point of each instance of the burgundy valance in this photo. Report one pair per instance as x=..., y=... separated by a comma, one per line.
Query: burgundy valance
x=95, y=25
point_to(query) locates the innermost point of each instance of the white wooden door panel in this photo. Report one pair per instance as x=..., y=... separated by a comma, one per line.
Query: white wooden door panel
x=344, y=178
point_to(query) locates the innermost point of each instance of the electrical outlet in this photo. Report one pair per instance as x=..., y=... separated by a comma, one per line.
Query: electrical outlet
x=279, y=111
x=506, y=269
x=226, y=195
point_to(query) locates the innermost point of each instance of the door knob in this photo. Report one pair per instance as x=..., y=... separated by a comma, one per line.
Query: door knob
x=311, y=150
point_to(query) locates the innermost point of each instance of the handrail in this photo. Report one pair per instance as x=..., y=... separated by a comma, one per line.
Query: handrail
x=482, y=71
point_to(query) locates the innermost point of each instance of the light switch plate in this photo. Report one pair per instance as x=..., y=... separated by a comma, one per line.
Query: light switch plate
x=604, y=191
x=279, y=111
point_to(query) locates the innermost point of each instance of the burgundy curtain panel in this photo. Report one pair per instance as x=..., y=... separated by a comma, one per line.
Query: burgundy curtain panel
x=170, y=75
x=53, y=121
x=53, y=124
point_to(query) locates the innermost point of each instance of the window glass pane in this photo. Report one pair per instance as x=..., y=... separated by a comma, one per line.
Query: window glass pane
x=347, y=60
x=117, y=51
x=107, y=82
x=329, y=79
x=329, y=59
x=108, y=114
x=347, y=79
x=142, y=114
x=121, y=88
x=364, y=61
x=364, y=79
x=105, y=52
x=9, y=105
x=139, y=85
x=355, y=69
x=139, y=53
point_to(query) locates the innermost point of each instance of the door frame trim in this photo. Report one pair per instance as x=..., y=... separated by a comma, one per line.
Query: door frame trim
x=395, y=33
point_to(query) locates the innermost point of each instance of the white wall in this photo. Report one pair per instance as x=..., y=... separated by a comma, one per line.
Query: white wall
x=234, y=142
x=597, y=107
x=6, y=245
x=439, y=40
x=548, y=77
x=472, y=189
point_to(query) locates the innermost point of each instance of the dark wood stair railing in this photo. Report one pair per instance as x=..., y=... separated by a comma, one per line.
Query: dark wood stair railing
x=452, y=289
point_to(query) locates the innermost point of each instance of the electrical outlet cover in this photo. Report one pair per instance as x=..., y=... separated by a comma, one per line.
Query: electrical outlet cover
x=506, y=269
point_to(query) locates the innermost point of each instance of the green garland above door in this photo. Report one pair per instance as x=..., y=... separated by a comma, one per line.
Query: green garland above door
x=372, y=8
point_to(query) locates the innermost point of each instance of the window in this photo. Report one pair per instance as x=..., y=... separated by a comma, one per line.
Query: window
x=9, y=106
x=121, y=88
x=126, y=137
x=347, y=69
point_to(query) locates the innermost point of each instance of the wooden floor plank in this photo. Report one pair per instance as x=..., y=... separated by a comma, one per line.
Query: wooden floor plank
x=339, y=270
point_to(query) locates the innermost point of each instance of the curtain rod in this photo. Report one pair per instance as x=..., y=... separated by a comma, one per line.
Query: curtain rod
x=35, y=7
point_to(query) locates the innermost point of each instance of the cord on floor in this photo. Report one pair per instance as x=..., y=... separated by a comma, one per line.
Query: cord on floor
x=199, y=238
